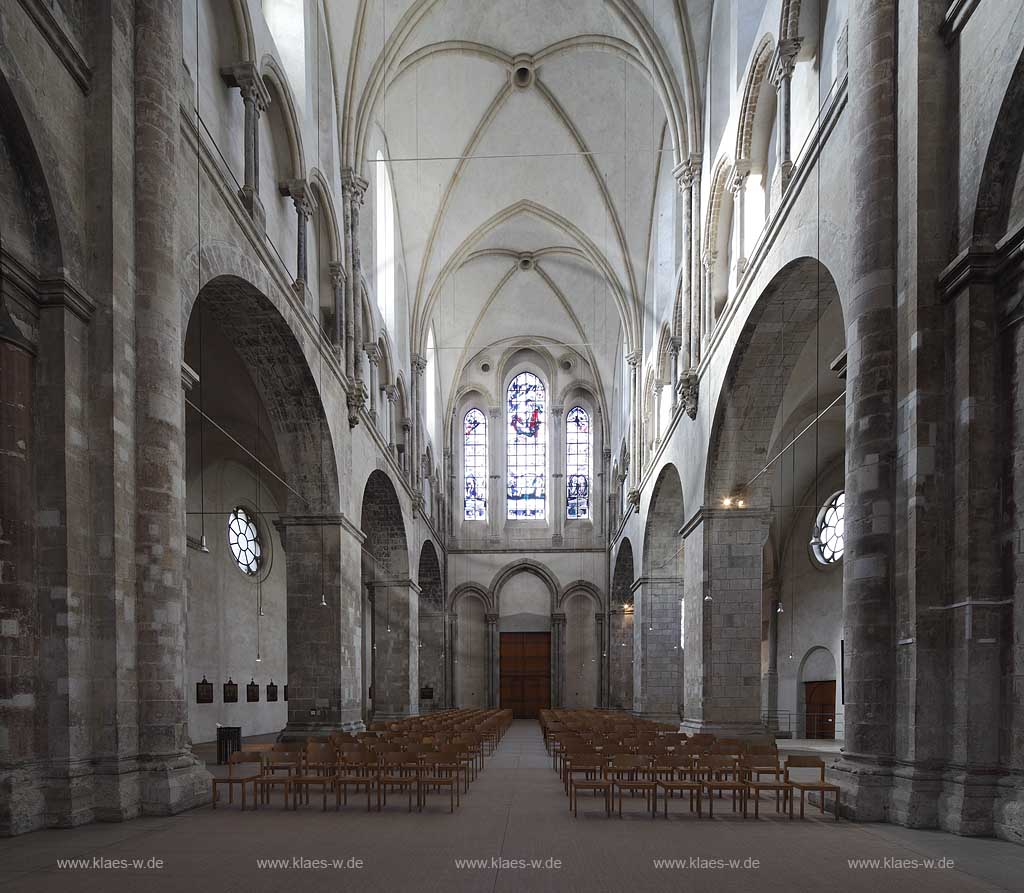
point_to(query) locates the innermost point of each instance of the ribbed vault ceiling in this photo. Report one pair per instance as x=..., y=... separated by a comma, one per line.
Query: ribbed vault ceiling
x=484, y=170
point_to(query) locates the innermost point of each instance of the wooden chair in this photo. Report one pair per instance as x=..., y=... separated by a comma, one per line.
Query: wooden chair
x=719, y=773
x=321, y=771
x=396, y=770
x=437, y=771
x=287, y=761
x=752, y=767
x=632, y=772
x=675, y=773
x=320, y=758
x=593, y=771
x=819, y=785
x=239, y=758
x=356, y=769
x=457, y=754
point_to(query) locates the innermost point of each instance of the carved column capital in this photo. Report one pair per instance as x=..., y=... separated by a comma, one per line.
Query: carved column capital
x=337, y=271
x=784, y=60
x=688, y=389
x=354, y=185
x=246, y=78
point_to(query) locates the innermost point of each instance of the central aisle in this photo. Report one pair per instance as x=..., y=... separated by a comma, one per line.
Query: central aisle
x=516, y=826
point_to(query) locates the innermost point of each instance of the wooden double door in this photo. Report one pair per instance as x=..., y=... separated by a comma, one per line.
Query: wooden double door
x=525, y=673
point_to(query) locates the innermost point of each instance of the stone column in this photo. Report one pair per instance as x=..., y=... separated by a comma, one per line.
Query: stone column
x=302, y=197
x=21, y=675
x=556, y=463
x=390, y=426
x=353, y=189
x=656, y=681
x=457, y=696
x=170, y=778
x=684, y=182
x=601, y=656
x=324, y=642
x=696, y=321
x=738, y=188
x=337, y=333
x=496, y=467
x=246, y=77
x=707, y=313
x=373, y=355
x=620, y=657
x=493, y=661
x=419, y=368
x=723, y=621
x=396, y=690
x=780, y=73
x=635, y=411
x=675, y=373
x=868, y=606
x=557, y=658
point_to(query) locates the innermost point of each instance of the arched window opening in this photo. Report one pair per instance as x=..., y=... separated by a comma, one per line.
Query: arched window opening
x=526, y=449
x=430, y=387
x=384, y=232
x=829, y=530
x=474, y=440
x=577, y=463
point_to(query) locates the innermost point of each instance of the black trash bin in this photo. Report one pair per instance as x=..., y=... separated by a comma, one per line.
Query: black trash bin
x=229, y=739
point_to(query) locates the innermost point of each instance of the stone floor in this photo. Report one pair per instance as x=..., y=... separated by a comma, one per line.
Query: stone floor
x=514, y=811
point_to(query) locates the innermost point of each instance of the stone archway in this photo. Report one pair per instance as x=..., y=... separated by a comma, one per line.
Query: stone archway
x=391, y=604
x=620, y=632
x=793, y=333
x=433, y=676
x=658, y=602
x=287, y=440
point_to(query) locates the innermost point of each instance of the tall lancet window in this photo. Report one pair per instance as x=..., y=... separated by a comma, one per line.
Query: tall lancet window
x=384, y=226
x=577, y=463
x=526, y=493
x=474, y=447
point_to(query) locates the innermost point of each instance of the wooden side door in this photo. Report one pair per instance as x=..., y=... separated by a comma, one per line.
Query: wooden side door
x=820, y=709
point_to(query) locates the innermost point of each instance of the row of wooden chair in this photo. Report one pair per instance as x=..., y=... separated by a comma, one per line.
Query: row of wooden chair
x=703, y=779
x=446, y=753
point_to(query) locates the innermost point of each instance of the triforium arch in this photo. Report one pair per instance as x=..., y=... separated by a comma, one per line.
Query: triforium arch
x=391, y=607
x=658, y=600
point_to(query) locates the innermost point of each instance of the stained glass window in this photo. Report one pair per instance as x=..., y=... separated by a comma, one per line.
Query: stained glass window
x=526, y=448
x=474, y=440
x=244, y=540
x=829, y=531
x=577, y=463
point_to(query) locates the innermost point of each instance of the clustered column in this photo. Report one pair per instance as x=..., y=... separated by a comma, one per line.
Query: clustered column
x=353, y=188
x=633, y=493
x=169, y=776
x=870, y=416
